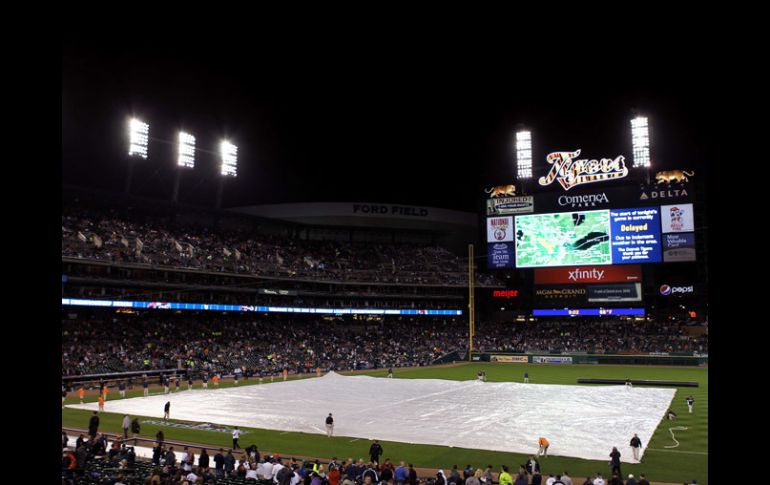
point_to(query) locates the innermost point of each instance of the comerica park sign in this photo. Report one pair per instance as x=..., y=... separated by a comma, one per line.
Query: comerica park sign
x=570, y=172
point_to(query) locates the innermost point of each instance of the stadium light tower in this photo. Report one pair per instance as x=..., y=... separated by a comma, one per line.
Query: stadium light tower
x=138, y=141
x=524, y=154
x=229, y=167
x=185, y=159
x=640, y=141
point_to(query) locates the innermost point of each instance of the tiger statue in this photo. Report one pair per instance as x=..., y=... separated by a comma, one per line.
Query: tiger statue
x=501, y=190
x=672, y=176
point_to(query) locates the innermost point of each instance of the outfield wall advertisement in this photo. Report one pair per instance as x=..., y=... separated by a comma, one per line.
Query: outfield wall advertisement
x=547, y=359
x=522, y=359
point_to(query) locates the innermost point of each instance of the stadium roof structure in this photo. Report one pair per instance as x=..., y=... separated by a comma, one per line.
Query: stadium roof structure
x=367, y=215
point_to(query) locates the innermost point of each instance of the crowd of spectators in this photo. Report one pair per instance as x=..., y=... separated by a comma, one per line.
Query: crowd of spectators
x=269, y=344
x=597, y=336
x=103, y=236
x=266, y=345
x=96, y=460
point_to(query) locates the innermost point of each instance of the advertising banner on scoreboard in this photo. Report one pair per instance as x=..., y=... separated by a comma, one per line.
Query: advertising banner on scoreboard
x=510, y=205
x=623, y=292
x=560, y=296
x=543, y=359
x=635, y=235
x=609, y=197
x=500, y=229
x=679, y=247
x=677, y=218
x=501, y=255
x=522, y=359
x=588, y=274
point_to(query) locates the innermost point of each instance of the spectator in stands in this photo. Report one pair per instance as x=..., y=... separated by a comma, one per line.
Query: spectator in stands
x=532, y=465
x=219, y=463
x=170, y=458
x=229, y=462
x=631, y=480
x=566, y=478
x=488, y=477
x=643, y=480
x=475, y=478
x=505, y=477
x=537, y=478
x=599, y=480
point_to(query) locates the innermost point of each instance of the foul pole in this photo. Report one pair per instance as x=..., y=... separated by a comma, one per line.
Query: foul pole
x=471, y=304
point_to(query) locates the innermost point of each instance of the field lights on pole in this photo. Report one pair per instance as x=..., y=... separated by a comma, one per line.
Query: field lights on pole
x=186, y=150
x=524, y=155
x=640, y=141
x=229, y=159
x=139, y=136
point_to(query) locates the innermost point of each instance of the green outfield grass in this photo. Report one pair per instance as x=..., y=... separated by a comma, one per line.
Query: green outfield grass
x=686, y=462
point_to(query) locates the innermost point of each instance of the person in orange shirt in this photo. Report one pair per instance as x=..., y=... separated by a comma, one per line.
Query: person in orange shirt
x=285, y=374
x=81, y=393
x=318, y=372
x=215, y=379
x=105, y=391
x=544, y=444
x=101, y=403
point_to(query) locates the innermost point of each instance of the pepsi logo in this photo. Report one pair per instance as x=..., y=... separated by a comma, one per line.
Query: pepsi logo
x=666, y=290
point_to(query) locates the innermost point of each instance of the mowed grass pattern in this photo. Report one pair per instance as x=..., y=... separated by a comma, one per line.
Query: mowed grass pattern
x=677, y=465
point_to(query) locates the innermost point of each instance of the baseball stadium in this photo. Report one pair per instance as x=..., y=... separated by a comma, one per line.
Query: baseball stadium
x=549, y=327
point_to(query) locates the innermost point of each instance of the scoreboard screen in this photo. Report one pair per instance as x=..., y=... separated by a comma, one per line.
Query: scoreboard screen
x=563, y=239
x=599, y=237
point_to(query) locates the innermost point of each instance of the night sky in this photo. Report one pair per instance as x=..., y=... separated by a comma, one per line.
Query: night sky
x=375, y=130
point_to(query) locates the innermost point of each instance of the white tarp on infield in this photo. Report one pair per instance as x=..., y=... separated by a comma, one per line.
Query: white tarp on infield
x=580, y=421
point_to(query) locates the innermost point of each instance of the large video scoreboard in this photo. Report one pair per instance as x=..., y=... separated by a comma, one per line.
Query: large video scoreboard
x=653, y=234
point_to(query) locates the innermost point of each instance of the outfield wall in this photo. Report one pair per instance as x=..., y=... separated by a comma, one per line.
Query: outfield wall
x=567, y=358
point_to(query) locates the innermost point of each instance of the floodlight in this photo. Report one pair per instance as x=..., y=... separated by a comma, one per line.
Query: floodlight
x=640, y=141
x=186, y=150
x=229, y=159
x=139, y=135
x=524, y=154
